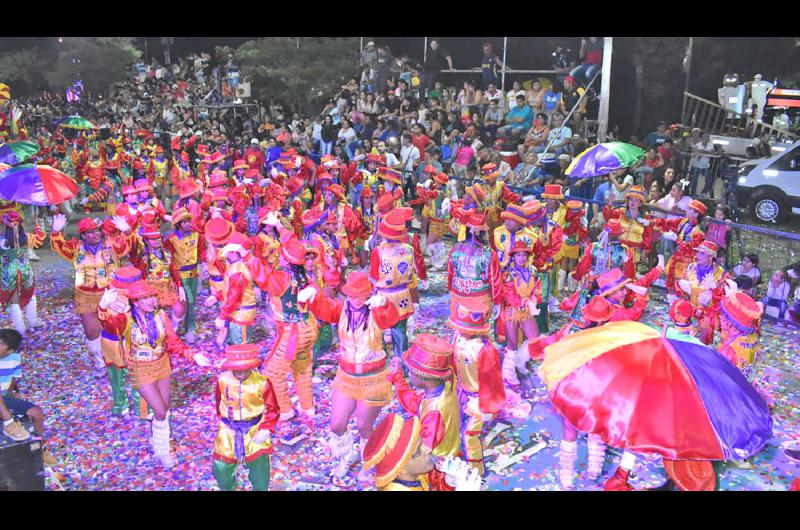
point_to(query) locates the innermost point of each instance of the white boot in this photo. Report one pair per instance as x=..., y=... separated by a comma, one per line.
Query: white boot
x=31, y=255
x=566, y=464
x=160, y=442
x=423, y=244
x=96, y=349
x=31, y=314
x=521, y=358
x=364, y=475
x=441, y=256
x=15, y=313
x=597, y=456
x=342, y=449
x=562, y=280
x=510, y=368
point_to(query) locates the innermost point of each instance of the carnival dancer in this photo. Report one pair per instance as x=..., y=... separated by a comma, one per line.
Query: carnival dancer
x=361, y=387
x=149, y=339
x=471, y=202
x=187, y=246
x=636, y=225
x=248, y=411
x=343, y=216
x=545, y=250
x=521, y=298
x=217, y=231
x=393, y=270
x=366, y=213
x=96, y=186
x=149, y=202
x=703, y=284
x=429, y=365
x=17, y=280
x=553, y=196
x=159, y=171
x=159, y=269
x=681, y=313
x=576, y=236
x=435, y=220
x=478, y=374
x=95, y=256
x=113, y=164
x=297, y=328
x=130, y=208
x=513, y=229
x=497, y=196
x=112, y=340
x=687, y=235
x=391, y=182
x=181, y=171
x=739, y=319
x=604, y=254
x=237, y=297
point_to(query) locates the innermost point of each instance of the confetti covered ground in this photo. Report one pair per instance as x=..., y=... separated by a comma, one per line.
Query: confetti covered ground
x=100, y=452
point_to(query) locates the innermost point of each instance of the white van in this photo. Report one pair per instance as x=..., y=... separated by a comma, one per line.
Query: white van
x=770, y=187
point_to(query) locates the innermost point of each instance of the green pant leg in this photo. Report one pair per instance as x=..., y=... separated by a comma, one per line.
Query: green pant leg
x=542, y=319
x=324, y=340
x=190, y=287
x=259, y=473
x=400, y=337
x=116, y=377
x=225, y=474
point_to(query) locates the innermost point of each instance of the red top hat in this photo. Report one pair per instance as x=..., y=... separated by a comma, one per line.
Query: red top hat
x=477, y=221
x=385, y=202
x=520, y=246
x=610, y=281
x=218, y=230
x=140, y=289
x=441, y=178
x=393, y=224
x=123, y=277
x=149, y=231
x=184, y=156
x=469, y=317
x=188, y=187
x=220, y=194
x=708, y=247
x=179, y=215
x=254, y=174
x=324, y=176
x=552, y=191
x=357, y=285
x=329, y=162
x=240, y=164
x=635, y=192
x=337, y=190
x=430, y=170
x=129, y=190
x=285, y=159
x=489, y=171
x=87, y=225
x=367, y=192
x=429, y=356
x=218, y=178
x=698, y=206
x=237, y=243
x=681, y=312
x=742, y=311
x=142, y=185
x=598, y=310
x=390, y=447
x=614, y=227
x=294, y=185
x=294, y=251
x=241, y=357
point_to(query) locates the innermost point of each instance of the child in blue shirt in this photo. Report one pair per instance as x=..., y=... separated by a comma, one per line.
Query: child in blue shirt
x=10, y=374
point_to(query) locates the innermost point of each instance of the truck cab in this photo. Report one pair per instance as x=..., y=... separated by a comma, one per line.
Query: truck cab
x=770, y=187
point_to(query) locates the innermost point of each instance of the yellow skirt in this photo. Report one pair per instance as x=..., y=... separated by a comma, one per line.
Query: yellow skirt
x=570, y=251
x=438, y=227
x=373, y=388
x=86, y=301
x=147, y=373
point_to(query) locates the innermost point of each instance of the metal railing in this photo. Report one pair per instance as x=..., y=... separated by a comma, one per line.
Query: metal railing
x=716, y=119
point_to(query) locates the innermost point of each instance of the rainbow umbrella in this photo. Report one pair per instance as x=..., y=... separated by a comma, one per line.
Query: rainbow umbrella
x=14, y=153
x=602, y=159
x=37, y=185
x=649, y=393
x=5, y=92
x=76, y=122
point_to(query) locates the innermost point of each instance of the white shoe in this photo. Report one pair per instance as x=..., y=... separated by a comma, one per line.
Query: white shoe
x=309, y=413
x=32, y=315
x=31, y=255
x=286, y=416
x=509, y=369
x=345, y=463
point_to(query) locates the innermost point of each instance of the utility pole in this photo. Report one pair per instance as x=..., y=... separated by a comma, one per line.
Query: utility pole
x=605, y=89
x=503, y=72
x=687, y=66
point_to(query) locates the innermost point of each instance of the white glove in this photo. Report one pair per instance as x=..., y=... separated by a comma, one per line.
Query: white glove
x=643, y=221
x=376, y=301
x=471, y=482
x=638, y=289
x=215, y=212
x=271, y=219
x=660, y=261
x=307, y=295
x=201, y=360
x=84, y=201
x=121, y=224
x=181, y=294
x=428, y=184
x=261, y=436
x=704, y=298
x=446, y=206
x=731, y=288
x=411, y=325
x=343, y=263
x=108, y=298
x=59, y=222
x=533, y=308
x=495, y=311
x=672, y=236
x=360, y=157
x=366, y=245
x=211, y=300
x=685, y=286
x=264, y=182
x=4, y=244
x=219, y=323
x=247, y=181
x=709, y=283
